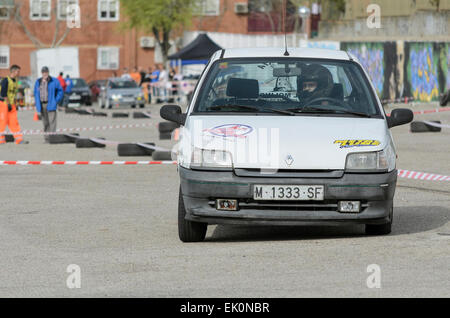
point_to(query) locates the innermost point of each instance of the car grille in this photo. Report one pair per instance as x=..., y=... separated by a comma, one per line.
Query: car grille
x=290, y=173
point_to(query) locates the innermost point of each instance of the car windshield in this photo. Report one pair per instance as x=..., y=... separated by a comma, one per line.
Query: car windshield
x=78, y=83
x=287, y=86
x=123, y=84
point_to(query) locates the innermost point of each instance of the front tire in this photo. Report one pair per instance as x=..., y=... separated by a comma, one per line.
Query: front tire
x=381, y=229
x=189, y=231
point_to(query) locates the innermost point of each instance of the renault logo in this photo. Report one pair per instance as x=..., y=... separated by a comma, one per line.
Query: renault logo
x=289, y=160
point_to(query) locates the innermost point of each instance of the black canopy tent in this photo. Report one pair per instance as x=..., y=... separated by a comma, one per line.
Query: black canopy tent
x=197, y=52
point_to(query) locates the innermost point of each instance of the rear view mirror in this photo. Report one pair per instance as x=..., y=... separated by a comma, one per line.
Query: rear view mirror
x=287, y=72
x=173, y=113
x=400, y=116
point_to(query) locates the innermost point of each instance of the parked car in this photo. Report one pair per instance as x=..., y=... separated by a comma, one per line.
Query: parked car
x=81, y=94
x=96, y=88
x=121, y=92
x=291, y=140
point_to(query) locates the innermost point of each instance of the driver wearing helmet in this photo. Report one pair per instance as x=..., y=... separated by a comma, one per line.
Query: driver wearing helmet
x=316, y=82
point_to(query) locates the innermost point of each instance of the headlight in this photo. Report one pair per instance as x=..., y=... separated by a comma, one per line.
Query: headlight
x=372, y=161
x=205, y=158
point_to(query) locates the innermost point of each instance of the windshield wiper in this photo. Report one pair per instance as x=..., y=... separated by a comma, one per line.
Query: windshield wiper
x=312, y=110
x=251, y=108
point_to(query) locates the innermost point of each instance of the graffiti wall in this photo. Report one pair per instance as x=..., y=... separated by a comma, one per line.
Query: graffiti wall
x=405, y=69
x=371, y=56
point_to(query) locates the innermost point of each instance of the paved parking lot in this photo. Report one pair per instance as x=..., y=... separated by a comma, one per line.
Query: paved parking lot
x=119, y=224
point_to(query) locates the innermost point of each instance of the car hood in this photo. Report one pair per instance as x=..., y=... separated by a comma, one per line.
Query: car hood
x=285, y=142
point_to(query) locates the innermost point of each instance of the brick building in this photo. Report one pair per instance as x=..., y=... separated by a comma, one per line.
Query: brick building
x=105, y=48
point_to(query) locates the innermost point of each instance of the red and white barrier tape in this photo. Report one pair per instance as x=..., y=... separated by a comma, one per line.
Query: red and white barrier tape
x=84, y=163
x=81, y=129
x=422, y=175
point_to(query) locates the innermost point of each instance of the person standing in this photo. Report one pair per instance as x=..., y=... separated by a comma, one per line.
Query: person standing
x=47, y=93
x=154, y=79
x=68, y=90
x=164, y=84
x=62, y=82
x=125, y=74
x=8, y=109
x=136, y=76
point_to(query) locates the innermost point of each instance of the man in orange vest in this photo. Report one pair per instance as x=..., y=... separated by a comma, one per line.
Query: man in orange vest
x=8, y=111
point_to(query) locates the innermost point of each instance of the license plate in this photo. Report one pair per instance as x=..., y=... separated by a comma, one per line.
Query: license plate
x=288, y=192
x=74, y=97
x=128, y=100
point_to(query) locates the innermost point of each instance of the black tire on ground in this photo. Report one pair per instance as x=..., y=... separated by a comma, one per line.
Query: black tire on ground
x=381, y=229
x=162, y=155
x=165, y=136
x=419, y=126
x=120, y=115
x=167, y=126
x=82, y=112
x=99, y=114
x=139, y=115
x=72, y=137
x=60, y=139
x=445, y=98
x=87, y=143
x=70, y=110
x=133, y=150
x=189, y=231
x=9, y=138
x=142, y=106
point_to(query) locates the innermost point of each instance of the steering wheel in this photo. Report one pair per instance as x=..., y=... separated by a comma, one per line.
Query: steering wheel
x=326, y=99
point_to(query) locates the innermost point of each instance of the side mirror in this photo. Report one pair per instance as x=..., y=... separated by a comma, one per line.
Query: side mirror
x=173, y=113
x=400, y=116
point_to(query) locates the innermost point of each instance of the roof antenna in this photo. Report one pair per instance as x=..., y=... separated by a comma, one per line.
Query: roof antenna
x=286, y=53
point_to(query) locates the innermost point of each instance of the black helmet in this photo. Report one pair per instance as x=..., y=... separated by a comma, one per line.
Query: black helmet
x=319, y=74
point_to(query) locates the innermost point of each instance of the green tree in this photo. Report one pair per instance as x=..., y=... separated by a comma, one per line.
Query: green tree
x=160, y=17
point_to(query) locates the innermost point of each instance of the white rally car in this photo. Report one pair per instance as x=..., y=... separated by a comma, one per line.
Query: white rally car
x=275, y=138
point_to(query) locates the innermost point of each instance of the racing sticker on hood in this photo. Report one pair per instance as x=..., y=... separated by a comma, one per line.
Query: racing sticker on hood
x=230, y=130
x=356, y=143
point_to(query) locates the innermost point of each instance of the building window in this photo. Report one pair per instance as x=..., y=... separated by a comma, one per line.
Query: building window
x=4, y=12
x=4, y=57
x=108, y=10
x=208, y=7
x=108, y=58
x=40, y=9
x=62, y=8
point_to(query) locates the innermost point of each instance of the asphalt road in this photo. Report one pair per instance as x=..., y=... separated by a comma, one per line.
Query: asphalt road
x=119, y=225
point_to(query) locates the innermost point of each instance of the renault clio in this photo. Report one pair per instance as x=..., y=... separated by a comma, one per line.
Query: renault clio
x=276, y=137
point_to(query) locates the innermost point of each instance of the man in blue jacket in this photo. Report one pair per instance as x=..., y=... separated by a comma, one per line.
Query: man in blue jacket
x=47, y=93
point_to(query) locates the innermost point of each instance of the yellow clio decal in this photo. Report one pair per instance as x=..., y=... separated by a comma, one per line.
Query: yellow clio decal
x=357, y=143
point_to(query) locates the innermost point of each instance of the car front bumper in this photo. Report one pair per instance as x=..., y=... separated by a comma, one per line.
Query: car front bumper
x=201, y=188
x=122, y=103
